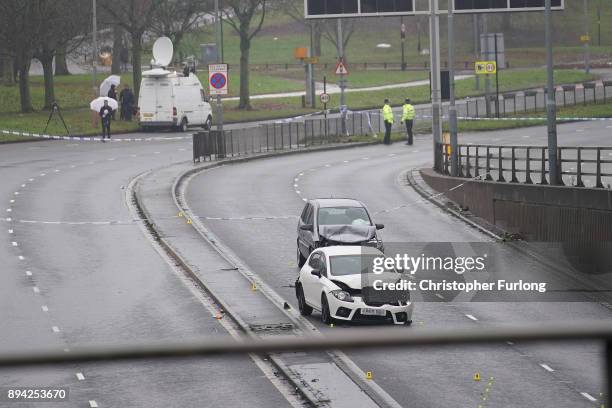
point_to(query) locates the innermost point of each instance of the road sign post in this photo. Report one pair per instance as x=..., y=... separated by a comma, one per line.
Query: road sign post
x=452, y=108
x=342, y=71
x=436, y=96
x=219, y=41
x=551, y=103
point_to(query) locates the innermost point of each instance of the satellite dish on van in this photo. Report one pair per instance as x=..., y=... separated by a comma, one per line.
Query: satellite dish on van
x=163, y=50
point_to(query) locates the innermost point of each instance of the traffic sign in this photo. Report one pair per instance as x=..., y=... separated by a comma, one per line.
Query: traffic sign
x=341, y=68
x=485, y=67
x=311, y=60
x=324, y=98
x=585, y=38
x=218, y=79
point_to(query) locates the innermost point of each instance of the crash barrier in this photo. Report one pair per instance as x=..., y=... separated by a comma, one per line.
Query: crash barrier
x=534, y=100
x=578, y=166
x=361, y=339
x=534, y=212
x=283, y=135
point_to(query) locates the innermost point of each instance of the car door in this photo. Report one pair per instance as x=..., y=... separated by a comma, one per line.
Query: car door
x=310, y=283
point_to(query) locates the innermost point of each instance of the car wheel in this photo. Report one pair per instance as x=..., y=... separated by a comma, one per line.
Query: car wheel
x=408, y=323
x=208, y=123
x=326, y=317
x=300, y=258
x=183, y=127
x=305, y=310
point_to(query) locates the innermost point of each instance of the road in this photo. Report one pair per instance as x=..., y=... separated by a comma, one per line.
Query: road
x=534, y=375
x=78, y=271
x=67, y=285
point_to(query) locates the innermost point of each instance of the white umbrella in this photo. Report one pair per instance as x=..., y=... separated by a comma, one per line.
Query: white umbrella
x=97, y=103
x=106, y=84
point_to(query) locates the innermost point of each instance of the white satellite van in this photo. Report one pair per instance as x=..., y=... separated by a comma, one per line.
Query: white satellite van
x=169, y=99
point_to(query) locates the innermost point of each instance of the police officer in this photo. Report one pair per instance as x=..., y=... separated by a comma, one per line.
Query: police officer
x=408, y=118
x=387, y=113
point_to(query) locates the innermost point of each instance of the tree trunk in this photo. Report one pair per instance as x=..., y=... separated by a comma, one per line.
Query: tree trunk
x=23, y=71
x=47, y=64
x=136, y=62
x=61, y=65
x=245, y=47
x=117, y=47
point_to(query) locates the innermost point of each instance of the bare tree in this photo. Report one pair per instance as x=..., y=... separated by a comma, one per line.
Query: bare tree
x=330, y=32
x=18, y=34
x=174, y=18
x=295, y=10
x=62, y=25
x=135, y=16
x=240, y=16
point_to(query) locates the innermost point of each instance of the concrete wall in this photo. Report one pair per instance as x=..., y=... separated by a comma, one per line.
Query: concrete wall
x=538, y=213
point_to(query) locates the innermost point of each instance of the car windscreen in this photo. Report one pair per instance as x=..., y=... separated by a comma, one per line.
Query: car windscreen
x=343, y=216
x=342, y=265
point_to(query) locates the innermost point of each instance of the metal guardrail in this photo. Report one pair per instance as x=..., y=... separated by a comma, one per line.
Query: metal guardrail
x=358, y=339
x=283, y=135
x=579, y=166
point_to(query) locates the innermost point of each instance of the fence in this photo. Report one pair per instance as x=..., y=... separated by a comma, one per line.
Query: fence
x=357, y=340
x=579, y=166
x=285, y=135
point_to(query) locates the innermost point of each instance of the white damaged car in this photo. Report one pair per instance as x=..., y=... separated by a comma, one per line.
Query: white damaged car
x=338, y=282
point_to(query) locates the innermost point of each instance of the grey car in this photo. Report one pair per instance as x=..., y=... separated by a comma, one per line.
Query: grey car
x=335, y=221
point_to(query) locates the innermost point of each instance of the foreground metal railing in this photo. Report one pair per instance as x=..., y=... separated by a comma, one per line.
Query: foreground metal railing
x=358, y=339
x=579, y=166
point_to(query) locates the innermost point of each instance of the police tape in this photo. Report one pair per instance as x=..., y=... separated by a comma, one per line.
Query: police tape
x=92, y=138
x=524, y=119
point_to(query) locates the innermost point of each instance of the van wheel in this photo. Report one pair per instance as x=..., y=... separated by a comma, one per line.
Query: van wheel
x=183, y=127
x=208, y=123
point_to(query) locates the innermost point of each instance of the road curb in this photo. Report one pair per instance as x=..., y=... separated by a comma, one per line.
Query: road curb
x=300, y=386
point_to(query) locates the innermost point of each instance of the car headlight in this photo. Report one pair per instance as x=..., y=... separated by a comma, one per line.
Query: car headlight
x=342, y=295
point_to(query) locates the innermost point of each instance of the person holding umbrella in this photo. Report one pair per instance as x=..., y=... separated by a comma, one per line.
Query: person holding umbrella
x=112, y=93
x=106, y=113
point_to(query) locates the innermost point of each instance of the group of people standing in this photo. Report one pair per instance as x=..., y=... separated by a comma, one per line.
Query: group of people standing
x=408, y=116
x=125, y=100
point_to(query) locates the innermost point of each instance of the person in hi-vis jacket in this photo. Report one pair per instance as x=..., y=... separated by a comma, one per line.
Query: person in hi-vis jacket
x=387, y=113
x=408, y=115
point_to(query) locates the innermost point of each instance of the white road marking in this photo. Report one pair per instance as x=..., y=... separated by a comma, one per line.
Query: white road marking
x=16, y=192
x=28, y=273
x=66, y=350
x=9, y=219
x=23, y=186
x=609, y=127
x=439, y=295
x=55, y=329
x=80, y=376
x=301, y=174
x=57, y=170
x=509, y=343
x=328, y=165
x=10, y=231
x=526, y=137
x=415, y=151
x=14, y=243
x=42, y=174
x=469, y=316
x=295, y=185
x=296, y=179
x=9, y=210
x=72, y=166
x=45, y=308
x=93, y=404
x=345, y=161
x=298, y=192
x=157, y=152
x=21, y=258
x=391, y=155
x=132, y=155
x=35, y=289
x=547, y=368
x=365, y=158
x=31, y=179
x=111, y=159
x=12, y=201
x=588, y=396
x=579, y=130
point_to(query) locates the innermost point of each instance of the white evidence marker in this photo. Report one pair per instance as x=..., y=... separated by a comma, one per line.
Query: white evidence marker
x=21, y=258
x=80, y=376
x=14, y=244
x=45, y=308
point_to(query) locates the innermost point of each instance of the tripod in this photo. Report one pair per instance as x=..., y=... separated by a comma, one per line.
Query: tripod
x=56, y=109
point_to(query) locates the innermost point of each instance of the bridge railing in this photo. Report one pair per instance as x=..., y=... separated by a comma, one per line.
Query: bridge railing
x=579, y=166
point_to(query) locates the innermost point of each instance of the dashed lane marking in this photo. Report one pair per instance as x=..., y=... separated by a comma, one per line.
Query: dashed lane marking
x=14, y=244
x=45, y=308
x=21, y=257
x=28, y=273
x=547, y=368
x=35, y=289
x=588, y=396
x=10, y=231
x=469, y=316
x=55, y=329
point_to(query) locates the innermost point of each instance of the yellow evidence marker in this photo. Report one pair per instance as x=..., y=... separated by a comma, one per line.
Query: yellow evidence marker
x=254, y=286
x=368, y=375
x=476, y=376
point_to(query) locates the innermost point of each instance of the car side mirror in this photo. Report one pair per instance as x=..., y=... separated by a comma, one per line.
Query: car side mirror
x=380, y=226
x=306, y=227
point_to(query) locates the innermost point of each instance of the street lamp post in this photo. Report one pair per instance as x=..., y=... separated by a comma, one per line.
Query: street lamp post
x=219, y=60
x=94, y=60
x=587, y=39
x=452, y=108
x=436, y=96
x=551, y=104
